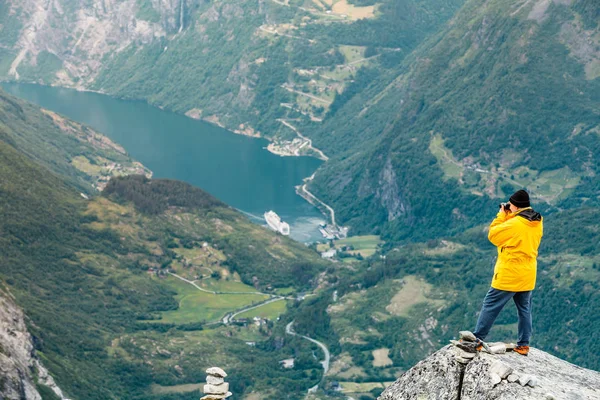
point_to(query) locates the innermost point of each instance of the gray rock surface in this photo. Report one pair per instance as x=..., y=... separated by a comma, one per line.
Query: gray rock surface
x=467, y=335
x=18, y=363
x=216, y=371
x=214, y=380
x=501, y=369
x=437, y=377
x=216, y=389
x=441, y=377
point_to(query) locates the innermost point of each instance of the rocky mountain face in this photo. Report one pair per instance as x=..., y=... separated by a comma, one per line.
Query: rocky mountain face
x=504, y=97
x=79, y=35
x=241, y=64
x=22, y=374
x=494, y=376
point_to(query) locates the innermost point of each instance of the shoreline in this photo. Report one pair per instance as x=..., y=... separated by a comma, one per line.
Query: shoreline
x=280, y=148
x=196, y=114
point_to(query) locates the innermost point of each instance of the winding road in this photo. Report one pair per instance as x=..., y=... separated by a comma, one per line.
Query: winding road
x=230, y=316
x=309, y=196
x=289, y=329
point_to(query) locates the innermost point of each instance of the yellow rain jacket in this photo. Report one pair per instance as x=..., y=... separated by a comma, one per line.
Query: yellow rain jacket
x=517, y=237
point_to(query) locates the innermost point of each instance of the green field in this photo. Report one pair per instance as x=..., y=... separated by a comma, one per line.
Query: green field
x=198, y=306
x=190, y=387
x=224, y=285
x=269, y=311
x=451, y=167
x=352, y=53
x=366, y=245
x=285, y=291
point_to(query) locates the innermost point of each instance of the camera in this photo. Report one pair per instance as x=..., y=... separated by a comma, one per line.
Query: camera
x=505, y=206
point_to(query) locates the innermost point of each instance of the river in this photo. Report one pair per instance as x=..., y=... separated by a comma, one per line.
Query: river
x=234, y=168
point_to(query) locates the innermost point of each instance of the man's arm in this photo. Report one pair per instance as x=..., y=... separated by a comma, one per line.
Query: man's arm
x=501, y=229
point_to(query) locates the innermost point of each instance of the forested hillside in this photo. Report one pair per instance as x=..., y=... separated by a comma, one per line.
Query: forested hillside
x=431, y=113
x=243, y=64
x=85, y=158
x=107, y=283
x=506, y=96
x=472, y=98
x=388, y=314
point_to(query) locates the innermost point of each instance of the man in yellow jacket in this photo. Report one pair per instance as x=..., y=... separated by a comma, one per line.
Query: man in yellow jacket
x=517, y=232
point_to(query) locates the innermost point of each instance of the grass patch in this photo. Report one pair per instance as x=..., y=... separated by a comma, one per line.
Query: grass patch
x=353, y=12
x=352, y=53
x=445, y=248
x=362, y=242
x=450, y=167
x=83, y=164
x=381, y=358
x=366, y=245
x=414, y=291
x=198, y=306
x=190, y=387
x=285, y=291
x=321, y=247
x=224, y=285
x=269, y=311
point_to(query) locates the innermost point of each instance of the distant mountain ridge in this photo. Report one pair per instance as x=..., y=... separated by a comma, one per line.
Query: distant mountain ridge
x=421, y=150
x=240, y=64
x=473, y=98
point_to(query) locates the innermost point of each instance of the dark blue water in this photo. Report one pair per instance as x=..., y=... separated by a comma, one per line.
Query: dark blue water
x=234, y=168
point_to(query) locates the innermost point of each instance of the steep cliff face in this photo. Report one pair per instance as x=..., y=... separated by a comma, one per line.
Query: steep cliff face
x=22, y=375
x=494, y=376
x=80, y=36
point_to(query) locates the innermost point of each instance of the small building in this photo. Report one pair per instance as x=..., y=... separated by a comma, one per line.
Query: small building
x=329, y=253
x=287, y=363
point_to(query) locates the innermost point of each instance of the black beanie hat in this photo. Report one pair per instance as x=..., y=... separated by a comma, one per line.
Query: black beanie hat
x=520, y=199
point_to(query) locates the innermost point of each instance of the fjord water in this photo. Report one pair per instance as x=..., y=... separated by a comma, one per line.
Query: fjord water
x=234, y=168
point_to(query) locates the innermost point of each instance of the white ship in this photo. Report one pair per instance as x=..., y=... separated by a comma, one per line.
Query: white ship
x=276, y=223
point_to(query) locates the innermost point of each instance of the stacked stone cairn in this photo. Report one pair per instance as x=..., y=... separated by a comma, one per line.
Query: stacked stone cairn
x=466, y=351
x=216, y=388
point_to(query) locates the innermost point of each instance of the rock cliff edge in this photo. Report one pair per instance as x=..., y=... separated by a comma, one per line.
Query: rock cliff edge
x=486, y=376
x=21, y=372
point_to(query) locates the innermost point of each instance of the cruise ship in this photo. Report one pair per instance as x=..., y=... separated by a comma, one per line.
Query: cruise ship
x=276, y=223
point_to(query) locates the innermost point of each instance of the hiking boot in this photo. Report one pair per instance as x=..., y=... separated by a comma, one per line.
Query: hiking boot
x=523, y=350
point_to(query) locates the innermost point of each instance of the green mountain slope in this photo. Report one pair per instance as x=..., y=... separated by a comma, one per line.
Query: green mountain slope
x=97, y=281
x=386, y=315
x=86, y=158
x=241, y=64
x=507, y=96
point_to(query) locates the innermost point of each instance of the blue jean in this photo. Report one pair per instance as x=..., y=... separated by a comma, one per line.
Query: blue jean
x=494, y=302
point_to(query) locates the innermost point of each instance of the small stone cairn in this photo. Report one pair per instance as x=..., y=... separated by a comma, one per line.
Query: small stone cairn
x=466, y=351
x=216, y=388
